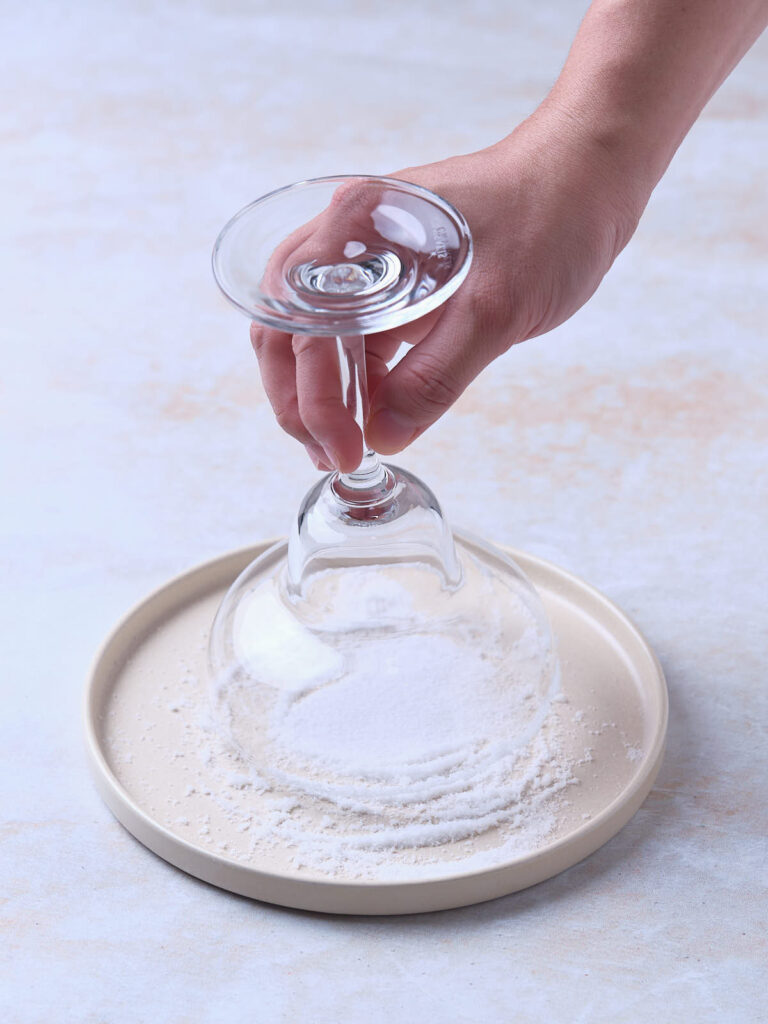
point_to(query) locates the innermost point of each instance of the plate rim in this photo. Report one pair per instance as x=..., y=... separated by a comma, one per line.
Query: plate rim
x=589, y=837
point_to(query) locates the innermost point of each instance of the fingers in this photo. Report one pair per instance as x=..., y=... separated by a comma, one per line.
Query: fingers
x=303, y=384
x=273, y=282
x=302, y=378
x=409, y=334
x=379, y=350
x=278, y=374
x=427, y=381
x=326, y=238
x=320, y=402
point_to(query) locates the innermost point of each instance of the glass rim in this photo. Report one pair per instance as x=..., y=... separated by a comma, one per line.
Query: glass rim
x=346, y=321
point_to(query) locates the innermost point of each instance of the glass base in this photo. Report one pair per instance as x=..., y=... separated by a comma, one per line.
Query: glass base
x=396, y=519
x=342, y=255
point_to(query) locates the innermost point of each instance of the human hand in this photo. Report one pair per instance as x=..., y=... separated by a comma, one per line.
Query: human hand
x=549, y=210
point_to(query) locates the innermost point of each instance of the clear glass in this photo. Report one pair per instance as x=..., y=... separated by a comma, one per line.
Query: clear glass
x=342, y=256
x=372, y=585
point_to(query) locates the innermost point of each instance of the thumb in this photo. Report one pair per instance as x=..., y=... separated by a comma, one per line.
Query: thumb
x=425, y=383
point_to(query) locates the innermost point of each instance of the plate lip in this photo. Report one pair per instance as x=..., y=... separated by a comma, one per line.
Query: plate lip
x=125, y=808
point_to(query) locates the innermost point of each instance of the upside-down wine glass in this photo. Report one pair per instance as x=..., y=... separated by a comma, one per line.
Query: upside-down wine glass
x=373, y=580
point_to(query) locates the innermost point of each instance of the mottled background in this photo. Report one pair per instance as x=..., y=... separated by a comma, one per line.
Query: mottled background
x=629, y=446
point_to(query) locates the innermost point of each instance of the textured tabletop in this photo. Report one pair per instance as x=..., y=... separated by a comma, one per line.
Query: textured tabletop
x=628, y=446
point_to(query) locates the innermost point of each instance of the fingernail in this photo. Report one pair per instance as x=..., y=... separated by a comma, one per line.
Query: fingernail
x=388, y=432
x=328, y=457
x=331, y=458
x=318, y=456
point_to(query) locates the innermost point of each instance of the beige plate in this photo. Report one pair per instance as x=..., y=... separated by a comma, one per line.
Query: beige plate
x=144, y=738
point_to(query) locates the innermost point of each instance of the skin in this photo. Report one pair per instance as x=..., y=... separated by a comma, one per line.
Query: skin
x=550, y=207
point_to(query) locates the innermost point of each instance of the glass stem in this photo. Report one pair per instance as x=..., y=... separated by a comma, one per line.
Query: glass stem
x=354, y=381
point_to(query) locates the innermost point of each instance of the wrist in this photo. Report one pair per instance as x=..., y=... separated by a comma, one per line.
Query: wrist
x=639, y=74
x=594, y=173
x=634, y=148
x=610, y=143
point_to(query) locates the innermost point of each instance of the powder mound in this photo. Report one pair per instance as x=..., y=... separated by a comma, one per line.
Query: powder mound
x=389, y=713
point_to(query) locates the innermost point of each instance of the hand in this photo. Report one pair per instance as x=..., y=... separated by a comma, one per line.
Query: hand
x=549, y=210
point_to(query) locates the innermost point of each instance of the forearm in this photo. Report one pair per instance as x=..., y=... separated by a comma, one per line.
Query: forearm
x=640, y=71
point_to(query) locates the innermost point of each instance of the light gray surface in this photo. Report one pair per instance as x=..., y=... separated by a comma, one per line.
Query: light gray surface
x=629, y=446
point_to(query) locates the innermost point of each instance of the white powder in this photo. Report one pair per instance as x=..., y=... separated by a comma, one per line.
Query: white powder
x=411, y=725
